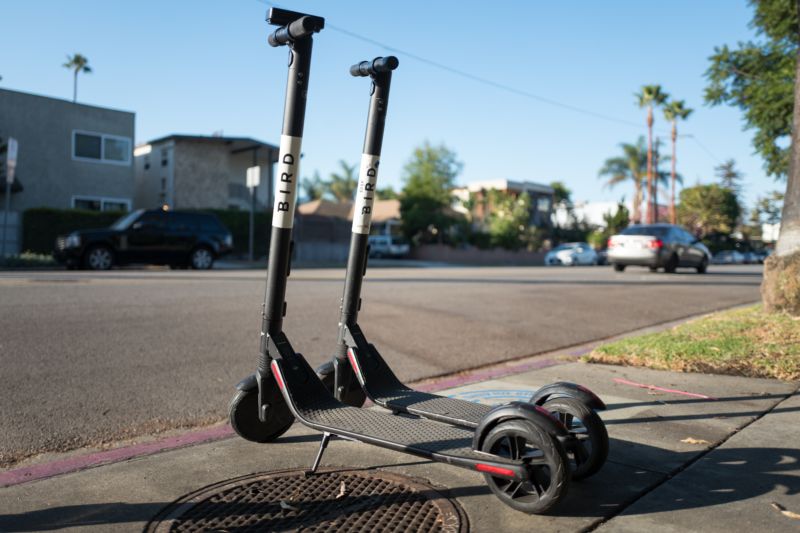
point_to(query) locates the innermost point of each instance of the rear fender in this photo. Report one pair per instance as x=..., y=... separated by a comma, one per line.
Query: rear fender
x=518, y=410
x=567, y=389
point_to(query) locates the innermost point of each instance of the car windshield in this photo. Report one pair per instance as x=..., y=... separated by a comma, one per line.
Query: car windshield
x=561, y=247
x=126, y=220
x=654, y=231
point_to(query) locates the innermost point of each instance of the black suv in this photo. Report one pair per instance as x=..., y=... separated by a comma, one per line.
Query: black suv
x=174, y=238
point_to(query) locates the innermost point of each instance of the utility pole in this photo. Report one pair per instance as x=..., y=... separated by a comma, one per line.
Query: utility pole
x=253, y=179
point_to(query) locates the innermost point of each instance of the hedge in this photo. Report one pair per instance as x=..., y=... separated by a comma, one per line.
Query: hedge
x=41, y=226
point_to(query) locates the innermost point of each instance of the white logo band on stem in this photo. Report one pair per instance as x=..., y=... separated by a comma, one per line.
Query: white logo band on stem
x=286, y=182
x=365, y=195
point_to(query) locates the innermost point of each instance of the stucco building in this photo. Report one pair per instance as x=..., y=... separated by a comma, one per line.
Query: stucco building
x=71, y=155
x=197, y=172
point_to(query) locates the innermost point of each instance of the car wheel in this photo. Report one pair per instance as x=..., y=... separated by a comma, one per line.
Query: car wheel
x=98, y=257
x=702, y=268
x=619, y=268
x=672, y=264
x=201, y=258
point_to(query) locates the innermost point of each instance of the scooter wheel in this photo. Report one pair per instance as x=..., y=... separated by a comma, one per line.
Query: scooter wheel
x=354, y=396
x=587, y=447
x=243, y=414
x=546, y=463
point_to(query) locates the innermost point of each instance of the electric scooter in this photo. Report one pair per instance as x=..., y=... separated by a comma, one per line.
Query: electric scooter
x=518, y=447
x=358, y=371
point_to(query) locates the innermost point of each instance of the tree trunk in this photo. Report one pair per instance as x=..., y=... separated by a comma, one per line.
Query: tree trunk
x=637, y=203
x=649, y=164
x=75, y=87
x=672, y=215
x=780, y=289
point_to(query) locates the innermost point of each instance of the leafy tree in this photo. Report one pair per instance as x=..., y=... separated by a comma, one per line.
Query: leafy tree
x=650, y=96
x=429, y=177
x=674, y=111
x=758, y=78
x=631, y=166
x=769, y=207
x=342, y=185
x=509, y=219
x=77, y=63
x=313, y=188
x=707, y=209
x=729, y=176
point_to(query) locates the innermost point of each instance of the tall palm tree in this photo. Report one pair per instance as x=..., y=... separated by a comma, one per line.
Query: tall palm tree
x=650, y=96
x=631, y=166
x=674, y=111
x=77, y=63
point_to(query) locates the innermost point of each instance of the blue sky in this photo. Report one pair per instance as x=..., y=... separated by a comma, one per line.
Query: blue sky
x=203, y=66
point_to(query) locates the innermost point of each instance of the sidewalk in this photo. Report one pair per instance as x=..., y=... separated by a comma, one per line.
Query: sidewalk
x=679, y=461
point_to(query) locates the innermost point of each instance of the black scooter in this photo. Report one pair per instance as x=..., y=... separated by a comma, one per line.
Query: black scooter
x=518, y=447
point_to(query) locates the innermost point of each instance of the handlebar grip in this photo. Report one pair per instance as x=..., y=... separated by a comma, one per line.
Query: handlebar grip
x=376, y=66
x=299, y=29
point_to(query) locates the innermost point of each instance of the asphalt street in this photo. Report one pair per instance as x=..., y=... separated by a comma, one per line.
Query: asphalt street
x=88, y=358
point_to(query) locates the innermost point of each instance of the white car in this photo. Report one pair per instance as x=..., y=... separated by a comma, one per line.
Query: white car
x=571, y=254
x=388, y=246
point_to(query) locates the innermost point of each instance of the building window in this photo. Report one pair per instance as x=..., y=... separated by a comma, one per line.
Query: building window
x=543, y=205
x=98, y=203
x=101, y=148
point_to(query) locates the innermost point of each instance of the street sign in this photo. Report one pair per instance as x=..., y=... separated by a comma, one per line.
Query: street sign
x=253, y=177
x=11, y=159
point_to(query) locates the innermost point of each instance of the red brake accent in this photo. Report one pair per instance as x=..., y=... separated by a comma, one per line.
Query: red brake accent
x=656, y=243
x=277, y=373
x=352, y=358
x=542, y=410
x=489, y=469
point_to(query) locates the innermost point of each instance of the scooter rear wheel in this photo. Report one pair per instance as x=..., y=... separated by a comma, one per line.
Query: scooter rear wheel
x=354, y=396
x=547, y=465
x=243, y=414
x=587, y=448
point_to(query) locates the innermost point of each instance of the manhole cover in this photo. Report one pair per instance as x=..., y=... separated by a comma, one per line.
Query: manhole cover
x=331, y=500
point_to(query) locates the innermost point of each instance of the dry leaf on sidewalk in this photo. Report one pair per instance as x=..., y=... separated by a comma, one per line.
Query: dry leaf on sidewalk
x=784, y=511
x=692, y=440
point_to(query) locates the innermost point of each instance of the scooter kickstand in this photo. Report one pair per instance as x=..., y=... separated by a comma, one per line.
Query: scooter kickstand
x=326, y=437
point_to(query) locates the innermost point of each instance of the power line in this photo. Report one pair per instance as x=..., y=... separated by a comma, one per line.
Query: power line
x=491, y=83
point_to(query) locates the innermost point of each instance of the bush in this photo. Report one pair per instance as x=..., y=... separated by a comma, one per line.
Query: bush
x=41, y=225
x=28, y=260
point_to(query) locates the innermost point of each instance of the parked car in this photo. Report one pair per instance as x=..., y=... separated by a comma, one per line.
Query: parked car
x=728, y=257
x=572, y=254
x=388, y=246
x=657, y=246
x=159, y=237
x=762, y=255
x=749, y=258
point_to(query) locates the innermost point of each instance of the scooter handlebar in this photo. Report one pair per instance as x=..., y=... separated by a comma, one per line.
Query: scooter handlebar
x=376, y=66
x=299, y=29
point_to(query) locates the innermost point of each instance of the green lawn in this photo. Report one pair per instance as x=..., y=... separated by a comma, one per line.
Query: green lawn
x=741, y=342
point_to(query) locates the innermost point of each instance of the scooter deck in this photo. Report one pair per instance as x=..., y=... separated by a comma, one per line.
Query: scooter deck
x=384, y=389
x=314, y=406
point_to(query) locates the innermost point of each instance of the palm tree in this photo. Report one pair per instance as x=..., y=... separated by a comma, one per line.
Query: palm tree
x=674, y=111
x=650, y=96
x=342, y=186
x=630, y=166
x=77, y=63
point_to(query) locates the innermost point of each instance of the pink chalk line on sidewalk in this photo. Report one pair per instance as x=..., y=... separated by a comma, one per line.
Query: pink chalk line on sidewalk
x=662, y=389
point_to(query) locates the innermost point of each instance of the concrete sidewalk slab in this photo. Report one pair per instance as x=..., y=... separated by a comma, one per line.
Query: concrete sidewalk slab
x=733, y=487
x=646, y=430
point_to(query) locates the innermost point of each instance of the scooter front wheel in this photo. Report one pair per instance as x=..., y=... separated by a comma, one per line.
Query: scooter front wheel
x=243, y=414
x=546, y=463
x=587, y=447
x=354, y=396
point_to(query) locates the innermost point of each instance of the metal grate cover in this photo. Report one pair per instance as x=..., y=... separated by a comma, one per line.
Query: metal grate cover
x=330, y=500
